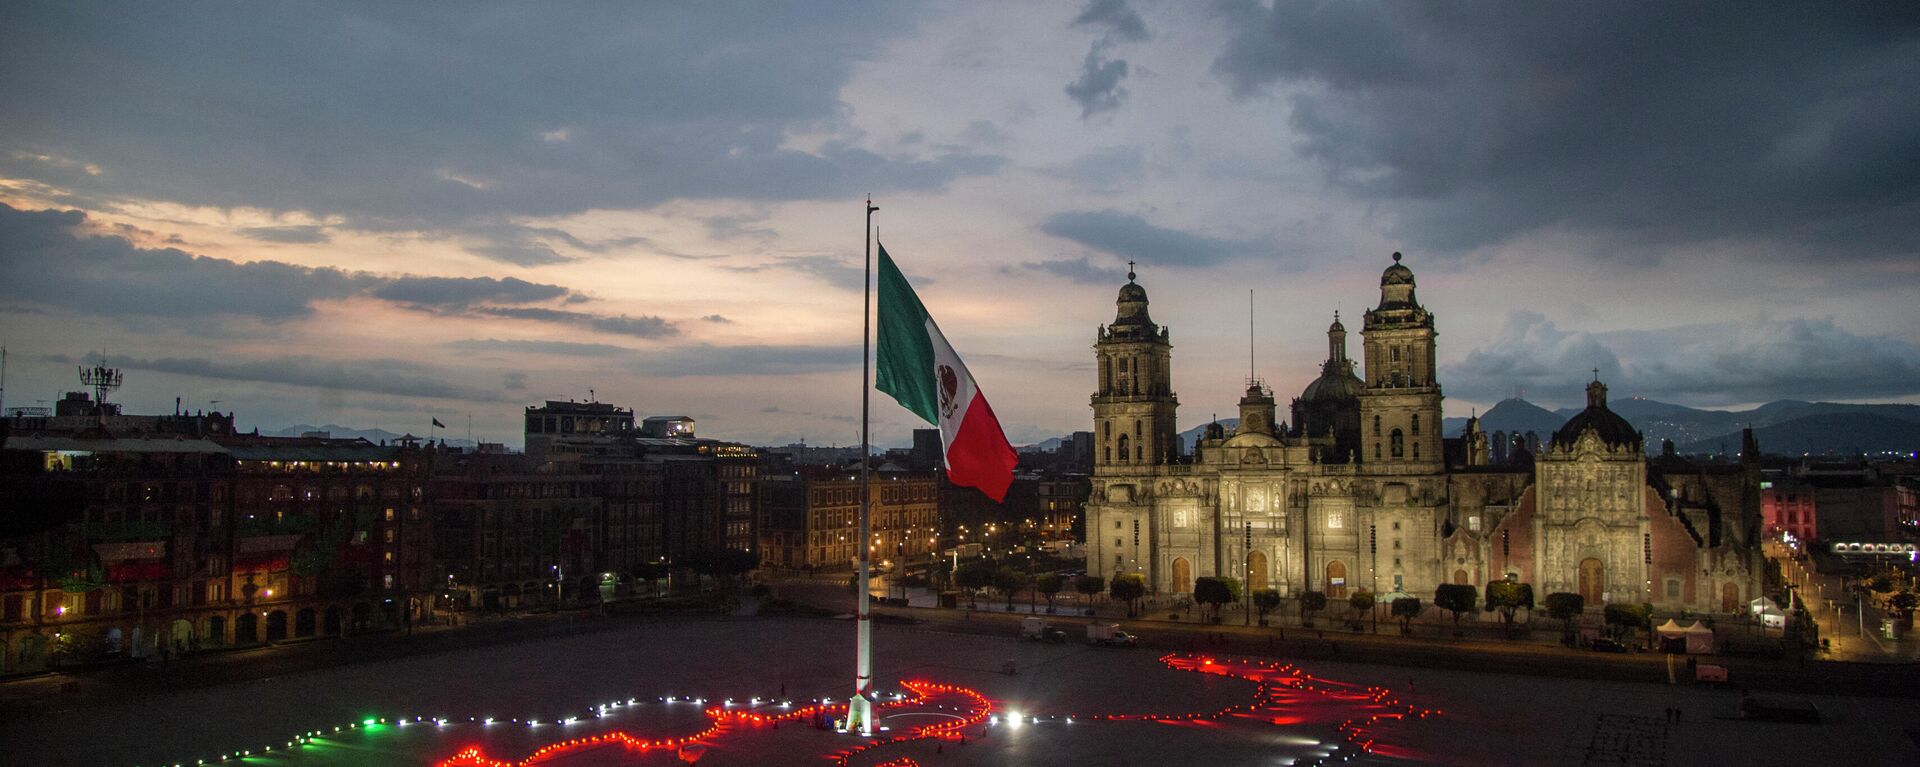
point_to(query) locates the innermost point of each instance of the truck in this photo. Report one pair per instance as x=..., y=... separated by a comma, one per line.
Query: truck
x=1036, y=629
x=1110, y=635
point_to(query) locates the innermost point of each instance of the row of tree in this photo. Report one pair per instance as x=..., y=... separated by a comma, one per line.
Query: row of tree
x=1505, y=597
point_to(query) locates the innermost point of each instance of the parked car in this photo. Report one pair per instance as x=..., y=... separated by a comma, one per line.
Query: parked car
x=1607, y=645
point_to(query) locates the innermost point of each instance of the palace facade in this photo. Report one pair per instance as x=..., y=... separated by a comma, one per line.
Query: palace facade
x=1361, y=489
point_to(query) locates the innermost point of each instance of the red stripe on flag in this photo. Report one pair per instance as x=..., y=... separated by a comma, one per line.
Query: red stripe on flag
x=980, y=456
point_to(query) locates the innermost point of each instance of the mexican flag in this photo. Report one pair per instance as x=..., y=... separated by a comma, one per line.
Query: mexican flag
x=917, y=366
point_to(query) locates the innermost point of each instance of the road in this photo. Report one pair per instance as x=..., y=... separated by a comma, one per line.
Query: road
x=1789, y=675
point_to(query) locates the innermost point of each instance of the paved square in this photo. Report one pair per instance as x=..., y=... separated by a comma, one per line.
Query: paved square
x=1485, y=719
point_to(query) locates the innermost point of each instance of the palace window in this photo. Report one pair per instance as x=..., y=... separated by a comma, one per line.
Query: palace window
x=1123, y=448
x=1416, y=424
x=1376, y=428
x=1397, y=443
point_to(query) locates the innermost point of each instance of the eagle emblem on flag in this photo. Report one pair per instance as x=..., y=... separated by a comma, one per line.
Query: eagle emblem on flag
x=949, y=389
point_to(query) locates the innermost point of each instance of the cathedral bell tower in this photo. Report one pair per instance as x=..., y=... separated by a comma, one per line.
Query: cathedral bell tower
x=1133, y=402
x=1400, y=407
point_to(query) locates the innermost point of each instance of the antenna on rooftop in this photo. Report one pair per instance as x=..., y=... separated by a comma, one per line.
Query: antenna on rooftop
x=103, y=379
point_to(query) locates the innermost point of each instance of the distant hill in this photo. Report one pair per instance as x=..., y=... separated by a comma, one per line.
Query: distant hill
x=1842, y=433
x=1044, y=446
x=1869, y=428
x=376, y=436
x=1191, y=437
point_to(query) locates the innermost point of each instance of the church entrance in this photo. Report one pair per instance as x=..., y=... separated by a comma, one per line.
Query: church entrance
x=1256, y=571
x=1182, y=576
x=1336, y=580
x=1730, y=598
x=1593, y=581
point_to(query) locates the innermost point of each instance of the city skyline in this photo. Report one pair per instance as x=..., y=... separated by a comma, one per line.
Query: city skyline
x=366, y=216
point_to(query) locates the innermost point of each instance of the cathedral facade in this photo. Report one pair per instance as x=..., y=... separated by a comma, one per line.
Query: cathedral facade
x=1362, y=491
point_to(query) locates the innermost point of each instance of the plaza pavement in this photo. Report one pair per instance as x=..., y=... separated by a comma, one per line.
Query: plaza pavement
x=1487, y=719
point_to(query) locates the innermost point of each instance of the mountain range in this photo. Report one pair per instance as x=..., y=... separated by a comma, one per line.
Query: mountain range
x=1783, y=427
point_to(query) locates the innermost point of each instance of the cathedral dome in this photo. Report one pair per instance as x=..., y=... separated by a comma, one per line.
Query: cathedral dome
x=1396, y=274
x=1131, y=307
x=1613, y=430
x=1333, y=386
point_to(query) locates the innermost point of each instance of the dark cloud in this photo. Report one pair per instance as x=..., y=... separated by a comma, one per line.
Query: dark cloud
x=513, y=381
x=645, y=326
x=1647, y=125
x=53, y=260
x=1718, y=364
x=717, y=318
x=292, y=235
x=391, y=116
x=1079, y=270
x=376, y=376
x=561, y=348
x=464, y=291
x=1131, y=237
x=756, y=359
x=1098, y=89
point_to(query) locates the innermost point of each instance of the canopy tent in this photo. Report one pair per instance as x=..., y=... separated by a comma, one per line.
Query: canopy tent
x=1695, y=639
x=1699, y=639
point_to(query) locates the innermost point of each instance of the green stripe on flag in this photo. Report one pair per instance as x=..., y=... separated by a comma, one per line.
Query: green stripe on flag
x=904, y=359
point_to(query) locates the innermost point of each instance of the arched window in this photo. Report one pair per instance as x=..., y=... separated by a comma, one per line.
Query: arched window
x=1376, y=426
x=1376, y=451
x=1416, y=449
x=1416, y=425
x=1124, y=454
x=1396, y=444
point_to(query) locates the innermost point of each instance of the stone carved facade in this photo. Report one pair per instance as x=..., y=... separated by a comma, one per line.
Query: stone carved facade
x=1363, y=493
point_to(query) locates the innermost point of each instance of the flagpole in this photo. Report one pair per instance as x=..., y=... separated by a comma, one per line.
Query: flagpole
x=860, y=707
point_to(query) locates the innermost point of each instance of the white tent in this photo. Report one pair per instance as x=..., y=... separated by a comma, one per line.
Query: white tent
x=1699, y=639
x=1695, y=639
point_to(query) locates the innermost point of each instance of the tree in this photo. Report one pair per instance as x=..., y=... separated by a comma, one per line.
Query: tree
x=1622, y=618
x=1266, y=601
x=1216, y=592
x=1311, y=602
x=1457, y=598
x=1508, y=597
x=1406, y=609
x=1128, y=588
x=1049, y=585
x=1089, y=586
x=1903, y=602
x=1009, y=580
x=1564, y=607
x=974, y=576
x=1361, y=602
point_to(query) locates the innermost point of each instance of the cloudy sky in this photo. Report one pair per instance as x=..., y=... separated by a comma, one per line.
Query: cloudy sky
x=372, y=214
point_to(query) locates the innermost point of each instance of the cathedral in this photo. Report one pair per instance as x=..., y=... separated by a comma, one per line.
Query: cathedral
x=1359, y=489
